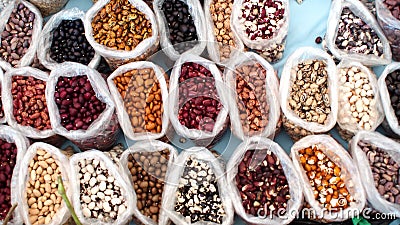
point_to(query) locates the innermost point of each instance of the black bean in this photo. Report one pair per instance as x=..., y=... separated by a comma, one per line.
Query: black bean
x=393, y=85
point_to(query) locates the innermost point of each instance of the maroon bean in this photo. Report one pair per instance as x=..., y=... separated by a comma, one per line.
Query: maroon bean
x=77, y=102
x=198, y=100
x=8, y=156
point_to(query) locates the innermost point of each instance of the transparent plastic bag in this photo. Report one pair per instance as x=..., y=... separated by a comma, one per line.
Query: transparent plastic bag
x=123, y=115
x=28, y=131
x=213, y=47
x=46, y=37
x=22, y=143
x=26, y=59
x=270, y=90
x=264, y=46
x=102, y=133
x=115, y=58
x=172, y=180
x=61, y=160
x=4, y=3
x=391, y=120
x=146, y=146
x=126, y=189
x=196, y=11
x=291, y=121
x=361, y=11
x=349, y=173
x=296, y=194
x=48, y=7
x=361, y=161
x=344, y=118
x=199, y=136
x=390, y=26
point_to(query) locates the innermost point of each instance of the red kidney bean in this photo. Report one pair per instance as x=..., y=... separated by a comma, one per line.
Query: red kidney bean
x=199, y=103
x=77, y=102
x=8, y=157
x=29, y=102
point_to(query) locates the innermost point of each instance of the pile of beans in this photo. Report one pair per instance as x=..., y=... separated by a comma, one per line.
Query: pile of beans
x=42, y=194
x=357, y=103
x=148, y=171
x=77, y=102
x=393, y=85
x=261, y=20
x=8, y=158
x=16, y=38
x=251, y=98
x=198, y=197
x=100, y=193
x=355, y=36
x=29, y=102
x=199, y=103
x=385, y=171
x=141, y=93
x=392, y=29
x=69, y=43
x=220, y=11
x=182, y=31
x=115, y=153
x=326, y=179
x=264, y=188
x=394, y=7
x=121, y=26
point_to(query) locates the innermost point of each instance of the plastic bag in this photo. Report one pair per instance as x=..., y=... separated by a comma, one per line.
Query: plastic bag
x=2, y=116
x=123, y=116
x=347, y=126
x=146, y=146
x=349, y=173
x=61, y=160
x=296, y=194
x=361, y=161
x=390, y=26
x=361, y=11
x=214, y=47
x=196, y=11
x=270, y=90
x=46, y=37
x=26, y=59
x=202, y=138
x=102, y=133
x=392, y=125
x=48, y=7
x=126, y=190
x=115, y=58
x=22, y=143
x=172, y=180
x=28, y=131
x=294, y=125
x=271, y=49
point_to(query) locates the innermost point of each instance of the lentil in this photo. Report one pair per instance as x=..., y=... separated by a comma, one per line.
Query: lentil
x=198, y=196
x=385, y=171
x=8, y=159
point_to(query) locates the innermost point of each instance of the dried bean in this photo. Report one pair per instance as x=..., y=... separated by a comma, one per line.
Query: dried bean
x=385, y=171
x=199, y=103
x=17, y=34
x=220, y=11
x=182, y=31
x=8, y=158
x=389, y=24
x=115, y=153
x=121, y=26
x=355, y=36
x=393, y=85
x=42, y=194
x=326, y=179
x=394, y=7
x=69, y=43
x=148, y=171
x=100, y=195
x=77, y=102
x=251, y=98
x=141, y=93
x=264, y=188
x=197, y=195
